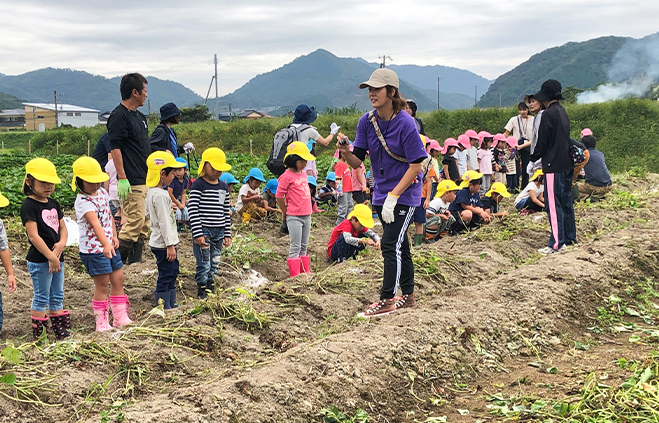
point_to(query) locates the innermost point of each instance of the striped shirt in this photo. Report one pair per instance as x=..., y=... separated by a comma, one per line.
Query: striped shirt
x=208, y=207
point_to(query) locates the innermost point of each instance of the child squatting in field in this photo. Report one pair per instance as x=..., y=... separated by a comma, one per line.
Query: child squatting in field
x=352, y=235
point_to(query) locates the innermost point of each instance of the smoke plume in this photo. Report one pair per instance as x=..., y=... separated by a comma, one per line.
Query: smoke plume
x=633, y=70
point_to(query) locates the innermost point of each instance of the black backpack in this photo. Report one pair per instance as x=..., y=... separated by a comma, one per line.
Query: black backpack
x=280, y=142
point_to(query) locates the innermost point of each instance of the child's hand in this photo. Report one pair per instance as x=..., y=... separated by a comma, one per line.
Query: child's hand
x=58, y=248
x=171, y=253
x=201, y=241
x=108, y=251
x=11, y=281
x=505, y=213
x=115, y=242
x=54, y=265
x=426, y=203
x=227, y=242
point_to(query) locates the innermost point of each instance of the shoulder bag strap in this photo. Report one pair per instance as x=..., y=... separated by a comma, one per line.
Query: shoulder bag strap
x=373, y=119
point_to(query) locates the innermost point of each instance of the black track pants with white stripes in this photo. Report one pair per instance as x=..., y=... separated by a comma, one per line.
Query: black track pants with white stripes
x=398, y=266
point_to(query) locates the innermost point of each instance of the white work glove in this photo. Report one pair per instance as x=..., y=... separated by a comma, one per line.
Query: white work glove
x=188, y=147
x=334, y=128
x=388, y=208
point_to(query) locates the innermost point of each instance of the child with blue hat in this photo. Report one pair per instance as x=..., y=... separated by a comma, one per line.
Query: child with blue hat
x=270, y=197
x=327, y=193
x=250, y=204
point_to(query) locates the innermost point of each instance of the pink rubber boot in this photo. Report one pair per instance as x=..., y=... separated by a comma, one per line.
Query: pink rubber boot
x=119, y=305
x=102, y=315
x=294, y=266
x=305, y=264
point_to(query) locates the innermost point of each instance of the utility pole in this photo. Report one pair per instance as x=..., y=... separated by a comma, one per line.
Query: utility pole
x=148, y=106
x=216, y=96
x=384, y=60
x=56, y=117
x=499, y=100
x=475, y=95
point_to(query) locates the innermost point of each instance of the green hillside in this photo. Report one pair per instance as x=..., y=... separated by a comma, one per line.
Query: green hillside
x=582, y=65
x=8, y=101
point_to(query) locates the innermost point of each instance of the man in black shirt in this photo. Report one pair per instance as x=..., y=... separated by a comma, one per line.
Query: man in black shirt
x=553, y=147
x=129, y=139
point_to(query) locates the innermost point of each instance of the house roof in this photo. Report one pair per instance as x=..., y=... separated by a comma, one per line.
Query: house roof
x=12, y=112
x=61, y=107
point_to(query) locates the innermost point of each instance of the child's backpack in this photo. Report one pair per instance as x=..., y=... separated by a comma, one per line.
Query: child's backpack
x=280, y=142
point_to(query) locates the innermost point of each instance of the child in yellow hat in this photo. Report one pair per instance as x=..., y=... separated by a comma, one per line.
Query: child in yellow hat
x=5, y=257
x=467, y=209
x=46, y=231
x=439, y=219
x=164, y=235
x=353, y=235
x=210, y=218
x=98, y=243
x=531, y=199
x=294, y=200
x=493, y=197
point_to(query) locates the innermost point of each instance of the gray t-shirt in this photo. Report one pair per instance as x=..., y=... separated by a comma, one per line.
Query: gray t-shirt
x=311, y=133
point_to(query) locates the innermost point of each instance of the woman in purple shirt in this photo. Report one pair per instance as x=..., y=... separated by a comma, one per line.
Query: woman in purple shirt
x=396, y=164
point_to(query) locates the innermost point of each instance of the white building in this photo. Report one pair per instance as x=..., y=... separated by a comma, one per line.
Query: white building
x=37, y=114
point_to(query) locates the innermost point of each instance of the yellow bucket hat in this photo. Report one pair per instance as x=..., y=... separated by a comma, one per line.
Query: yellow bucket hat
x=297, y=147
x=469, y=175
x=157, y=161
x=536, y=174
x=42, y=170
x=87, y=169
x=216, y=158
x=444, y=186
x=4, y=202
x=363, y=214
x=499, y=188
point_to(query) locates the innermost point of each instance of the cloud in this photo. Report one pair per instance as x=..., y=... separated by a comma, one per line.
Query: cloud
x=178, y=39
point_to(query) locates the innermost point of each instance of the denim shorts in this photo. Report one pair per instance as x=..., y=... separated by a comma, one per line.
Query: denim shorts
x=98, y=264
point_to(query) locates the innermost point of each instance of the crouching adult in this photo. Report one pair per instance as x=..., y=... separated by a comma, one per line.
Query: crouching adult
x=598, y=180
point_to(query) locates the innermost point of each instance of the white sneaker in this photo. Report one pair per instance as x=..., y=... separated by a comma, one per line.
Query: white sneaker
x=545, y=251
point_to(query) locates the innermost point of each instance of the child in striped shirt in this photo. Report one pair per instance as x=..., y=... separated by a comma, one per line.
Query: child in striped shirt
x=210, y=218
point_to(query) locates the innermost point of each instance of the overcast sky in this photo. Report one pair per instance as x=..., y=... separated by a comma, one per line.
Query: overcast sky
x=177, y=39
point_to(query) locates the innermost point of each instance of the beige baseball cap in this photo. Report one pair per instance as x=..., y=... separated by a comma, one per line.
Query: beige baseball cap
x=381, y=78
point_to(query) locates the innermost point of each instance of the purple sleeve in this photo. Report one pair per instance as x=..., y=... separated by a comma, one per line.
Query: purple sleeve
x=361, y=138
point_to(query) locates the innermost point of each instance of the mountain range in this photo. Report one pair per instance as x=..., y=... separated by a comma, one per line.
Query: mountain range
x=324, y=80
x=86, y=90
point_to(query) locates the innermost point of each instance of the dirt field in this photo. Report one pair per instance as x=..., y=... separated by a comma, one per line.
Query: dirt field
x=495, y=321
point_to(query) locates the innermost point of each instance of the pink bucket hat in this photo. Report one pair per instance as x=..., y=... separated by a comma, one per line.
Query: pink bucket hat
x=586, y=132
x=471, y=133
x=512, y=142
x=497, y=138
x=448, y=143
x=433, y=145
x=484, y=134
x=464, y=141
